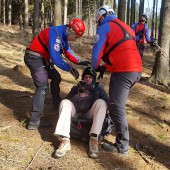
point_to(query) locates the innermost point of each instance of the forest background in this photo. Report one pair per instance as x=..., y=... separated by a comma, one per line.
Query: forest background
x=148, y=105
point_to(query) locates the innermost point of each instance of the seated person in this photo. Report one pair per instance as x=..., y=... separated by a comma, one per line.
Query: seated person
x=96, y=99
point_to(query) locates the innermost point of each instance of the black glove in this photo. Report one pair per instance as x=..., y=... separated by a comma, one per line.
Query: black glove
x=75, y=73
x=101, y=70
x=84, y=63
x=153, y=42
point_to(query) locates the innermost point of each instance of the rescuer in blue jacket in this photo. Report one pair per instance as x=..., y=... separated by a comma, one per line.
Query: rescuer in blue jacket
x=142, y=34
x=43, y=53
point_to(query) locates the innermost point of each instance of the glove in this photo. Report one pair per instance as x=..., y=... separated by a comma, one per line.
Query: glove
x=101, y=70
x=75, y=73
x=84, y=63
x=153, y=42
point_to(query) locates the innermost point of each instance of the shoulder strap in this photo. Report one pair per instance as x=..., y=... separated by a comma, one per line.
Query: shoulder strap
x=141, y=32
x=126, y=37
x=44, y=46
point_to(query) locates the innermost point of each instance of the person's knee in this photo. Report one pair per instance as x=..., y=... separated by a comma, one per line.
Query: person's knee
x=66, y=102
x=43, y=89
x=101, y=103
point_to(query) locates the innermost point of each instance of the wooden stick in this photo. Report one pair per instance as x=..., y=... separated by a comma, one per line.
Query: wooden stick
x=35, y=156
x=6, y=127
x=142, y=155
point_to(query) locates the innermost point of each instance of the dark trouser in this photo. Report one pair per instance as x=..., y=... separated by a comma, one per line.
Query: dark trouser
x=40, y=73
x=120, y=84
x=141, y=49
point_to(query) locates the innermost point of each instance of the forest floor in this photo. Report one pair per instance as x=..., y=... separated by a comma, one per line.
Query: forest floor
x=148, y=114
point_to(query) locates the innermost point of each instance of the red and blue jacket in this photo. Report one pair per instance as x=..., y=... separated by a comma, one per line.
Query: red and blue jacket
x=55, y=41
x=125, y=56
x=142, y=32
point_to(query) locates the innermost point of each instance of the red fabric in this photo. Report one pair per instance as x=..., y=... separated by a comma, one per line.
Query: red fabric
x=37, y=47
x=140, y=27
x=70, y=57
x=125, y=57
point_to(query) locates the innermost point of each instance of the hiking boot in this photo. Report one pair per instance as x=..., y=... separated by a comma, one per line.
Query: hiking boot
x=93, y=147
x=36, y=125
x=113, y=148
x=63, y=148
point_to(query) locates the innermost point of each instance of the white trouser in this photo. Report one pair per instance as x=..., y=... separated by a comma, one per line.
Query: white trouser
x=67, y=110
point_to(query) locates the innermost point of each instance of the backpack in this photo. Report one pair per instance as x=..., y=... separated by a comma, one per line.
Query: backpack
x=80, y=128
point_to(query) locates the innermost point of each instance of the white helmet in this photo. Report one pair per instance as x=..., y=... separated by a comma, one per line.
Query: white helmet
x=105, y=9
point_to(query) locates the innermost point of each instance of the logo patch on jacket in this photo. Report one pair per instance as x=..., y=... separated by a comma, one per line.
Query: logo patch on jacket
x=57, y=47
x=58, y=40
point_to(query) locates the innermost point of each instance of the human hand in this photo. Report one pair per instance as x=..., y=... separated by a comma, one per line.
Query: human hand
x=153, y=42
x=75, y=73
x=84, y=63
x=101, y=70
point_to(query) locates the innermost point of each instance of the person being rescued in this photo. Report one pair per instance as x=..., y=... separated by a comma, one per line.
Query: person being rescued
x=88, y=100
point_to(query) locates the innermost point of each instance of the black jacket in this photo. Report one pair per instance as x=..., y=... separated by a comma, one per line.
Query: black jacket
x=95, y=92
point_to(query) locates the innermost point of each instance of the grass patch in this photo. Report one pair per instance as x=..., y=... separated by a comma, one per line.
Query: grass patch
x=22, y=123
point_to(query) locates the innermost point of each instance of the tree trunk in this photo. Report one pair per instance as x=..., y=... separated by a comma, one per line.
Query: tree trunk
x=20, y=18
x=141, y=7
x=114, y=5
x=65, y=11
x=0, y=12
x=101, y=3
x=128, y=12
x=3, y=11
x=57, y=20
x=111, y=3
x=25, y=14
x=156, y=18
x=36, y=18
x=9, y=11
x=153, y=19
x=132, y=18
x=160, y=72
x=42, y=20
x=88, y=25
x=121, y=9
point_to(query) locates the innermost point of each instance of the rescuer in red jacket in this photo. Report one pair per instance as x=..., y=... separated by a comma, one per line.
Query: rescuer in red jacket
x=43, y=53
x=115, y=44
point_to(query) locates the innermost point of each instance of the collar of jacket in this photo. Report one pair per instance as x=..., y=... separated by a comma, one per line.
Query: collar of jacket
x=108, y=19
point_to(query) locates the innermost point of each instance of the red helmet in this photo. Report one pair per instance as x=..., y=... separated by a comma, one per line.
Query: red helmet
x=78, y=26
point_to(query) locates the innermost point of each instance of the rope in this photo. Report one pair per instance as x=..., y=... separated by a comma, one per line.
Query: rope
x=163, y=52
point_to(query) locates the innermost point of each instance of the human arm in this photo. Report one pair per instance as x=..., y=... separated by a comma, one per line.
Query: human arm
x=99, y=45
x=147, y=37
x=55, y=48
x=70, y=55
x=73, y=91
x=103, y=94
x=101, y=69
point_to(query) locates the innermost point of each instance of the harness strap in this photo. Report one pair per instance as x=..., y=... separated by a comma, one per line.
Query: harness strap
x=126, y=37
x=44, y=46
x=140, y=32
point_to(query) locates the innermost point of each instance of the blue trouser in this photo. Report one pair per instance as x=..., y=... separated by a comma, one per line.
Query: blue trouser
x=120, y=84
x=40, y=72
